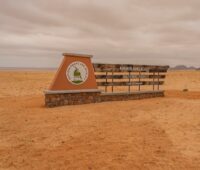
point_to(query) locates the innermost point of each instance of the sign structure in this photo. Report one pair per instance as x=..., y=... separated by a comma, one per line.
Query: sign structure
x=77, y=81
x=75, y=73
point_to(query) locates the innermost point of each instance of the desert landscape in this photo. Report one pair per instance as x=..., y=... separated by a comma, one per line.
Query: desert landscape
x=148, y=134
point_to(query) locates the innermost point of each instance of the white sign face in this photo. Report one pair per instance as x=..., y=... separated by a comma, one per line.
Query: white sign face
x=77, y=73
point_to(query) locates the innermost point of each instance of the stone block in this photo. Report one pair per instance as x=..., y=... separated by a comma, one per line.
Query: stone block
x=53, y=100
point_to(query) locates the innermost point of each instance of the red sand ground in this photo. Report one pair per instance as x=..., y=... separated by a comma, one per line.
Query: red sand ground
x=150, y=134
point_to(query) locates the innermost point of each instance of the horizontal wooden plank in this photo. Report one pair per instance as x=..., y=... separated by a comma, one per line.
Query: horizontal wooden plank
x=135, y=83
x=125, y=66
x=117, y=70
x=131, y=76
x=157, y=70
x=128, y=67
x=133, y=70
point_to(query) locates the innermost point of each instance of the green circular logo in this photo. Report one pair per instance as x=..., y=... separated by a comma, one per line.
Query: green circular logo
x=77, y=73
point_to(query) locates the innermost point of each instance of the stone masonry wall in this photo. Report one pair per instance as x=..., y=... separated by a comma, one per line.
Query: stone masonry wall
x=53, y=100
x=132, y=96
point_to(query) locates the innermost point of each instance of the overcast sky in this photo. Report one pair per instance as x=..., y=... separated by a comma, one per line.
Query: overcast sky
x=35, y=33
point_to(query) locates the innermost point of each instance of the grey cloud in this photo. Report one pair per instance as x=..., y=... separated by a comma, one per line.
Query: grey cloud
x=123, y=31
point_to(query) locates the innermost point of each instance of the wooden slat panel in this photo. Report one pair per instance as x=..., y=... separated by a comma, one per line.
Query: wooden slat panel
x=127, y=76
x=125, y=66
x=133, y=70
x=158, y=70
x=135, y=83
x=128, y=67
x=116, y=70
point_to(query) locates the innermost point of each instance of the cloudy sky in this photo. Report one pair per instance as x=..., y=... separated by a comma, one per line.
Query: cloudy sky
x=35, y=33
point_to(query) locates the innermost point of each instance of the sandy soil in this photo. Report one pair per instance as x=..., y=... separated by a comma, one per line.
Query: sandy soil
x=150, y=134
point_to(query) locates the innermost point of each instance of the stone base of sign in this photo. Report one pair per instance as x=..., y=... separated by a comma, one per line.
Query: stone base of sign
x=71, y=97
x=60, y=98
x=130, y=96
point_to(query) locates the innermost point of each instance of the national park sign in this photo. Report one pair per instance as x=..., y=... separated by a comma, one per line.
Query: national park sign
x=76, y=73
x=77, y=81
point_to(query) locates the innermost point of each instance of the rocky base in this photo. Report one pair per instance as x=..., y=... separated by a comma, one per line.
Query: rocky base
x=53, y=100
x=60, y=99
x=131, y=96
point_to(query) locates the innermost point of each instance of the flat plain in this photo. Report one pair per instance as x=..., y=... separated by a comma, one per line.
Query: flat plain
x=149, y=134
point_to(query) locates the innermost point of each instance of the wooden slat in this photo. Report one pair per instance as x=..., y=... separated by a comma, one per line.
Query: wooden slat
x=134, y=70
x=125, y=66
x=128, y=67
x=158, y=70
x=135, y=83
x=116, y=70
x=131, y=76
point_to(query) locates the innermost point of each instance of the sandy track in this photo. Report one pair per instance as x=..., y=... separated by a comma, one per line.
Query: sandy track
x=159, y=133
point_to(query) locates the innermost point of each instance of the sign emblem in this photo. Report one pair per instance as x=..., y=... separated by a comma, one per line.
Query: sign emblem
x=77, y=73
